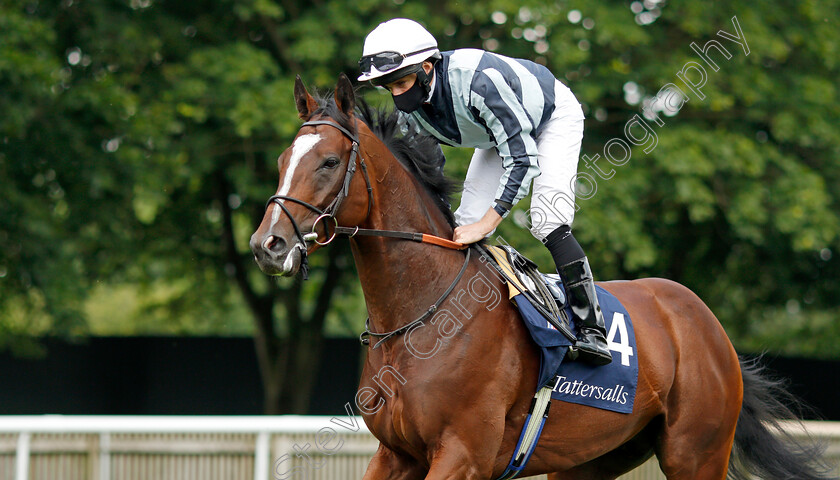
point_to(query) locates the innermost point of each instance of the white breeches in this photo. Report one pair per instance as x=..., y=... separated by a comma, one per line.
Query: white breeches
x=553, y=192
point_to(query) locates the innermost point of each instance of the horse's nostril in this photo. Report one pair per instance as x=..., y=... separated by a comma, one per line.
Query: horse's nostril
x=273, y=244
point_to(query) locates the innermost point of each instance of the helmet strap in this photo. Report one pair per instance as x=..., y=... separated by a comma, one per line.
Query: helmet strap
x=425, y=79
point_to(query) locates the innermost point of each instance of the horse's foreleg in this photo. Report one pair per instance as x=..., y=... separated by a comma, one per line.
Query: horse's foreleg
x=457, y=466
x=457, y=461
x=387, y=464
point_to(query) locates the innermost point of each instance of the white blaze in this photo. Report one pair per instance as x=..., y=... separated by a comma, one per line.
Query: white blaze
x=303, y=144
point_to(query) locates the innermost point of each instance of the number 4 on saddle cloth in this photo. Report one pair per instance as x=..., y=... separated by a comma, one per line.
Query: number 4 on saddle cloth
x=541, y=300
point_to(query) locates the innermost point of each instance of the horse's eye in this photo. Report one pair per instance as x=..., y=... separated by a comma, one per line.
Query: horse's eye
x=330, y=163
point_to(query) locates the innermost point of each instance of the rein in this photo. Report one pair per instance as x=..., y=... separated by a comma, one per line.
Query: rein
x=330, y=212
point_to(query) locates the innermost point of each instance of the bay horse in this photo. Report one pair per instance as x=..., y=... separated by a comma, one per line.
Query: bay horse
x=447, y=399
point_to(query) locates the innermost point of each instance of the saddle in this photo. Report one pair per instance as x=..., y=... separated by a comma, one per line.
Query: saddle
x=544, y=291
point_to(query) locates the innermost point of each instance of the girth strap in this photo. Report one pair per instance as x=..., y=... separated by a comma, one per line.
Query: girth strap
x=531, y=431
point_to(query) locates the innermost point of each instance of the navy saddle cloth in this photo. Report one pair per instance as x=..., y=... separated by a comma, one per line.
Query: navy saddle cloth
x=610, y=387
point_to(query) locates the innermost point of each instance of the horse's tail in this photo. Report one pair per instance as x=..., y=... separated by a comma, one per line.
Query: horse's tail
x=762, y=448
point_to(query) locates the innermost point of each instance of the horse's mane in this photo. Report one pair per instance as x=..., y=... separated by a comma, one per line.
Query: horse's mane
x=419, y=153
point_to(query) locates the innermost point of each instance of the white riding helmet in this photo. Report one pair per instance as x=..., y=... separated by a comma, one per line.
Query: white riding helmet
x=395, y=49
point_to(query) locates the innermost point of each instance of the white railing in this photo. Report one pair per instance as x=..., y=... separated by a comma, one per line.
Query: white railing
x=225, y=448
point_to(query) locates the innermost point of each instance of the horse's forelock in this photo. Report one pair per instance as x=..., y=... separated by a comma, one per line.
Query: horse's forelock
x=328, y=108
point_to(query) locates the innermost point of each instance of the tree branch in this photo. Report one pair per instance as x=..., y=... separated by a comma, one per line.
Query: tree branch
x=332, y=278
x=259, y=305
x=281, y=48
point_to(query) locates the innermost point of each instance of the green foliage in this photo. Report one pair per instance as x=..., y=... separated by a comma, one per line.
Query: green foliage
x=136, y=136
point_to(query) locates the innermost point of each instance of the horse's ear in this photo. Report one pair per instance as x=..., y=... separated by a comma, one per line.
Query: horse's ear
x=306, y=105
x=345, y=96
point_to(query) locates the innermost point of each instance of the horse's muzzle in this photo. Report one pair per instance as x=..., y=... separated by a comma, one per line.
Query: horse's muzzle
x=275, y=257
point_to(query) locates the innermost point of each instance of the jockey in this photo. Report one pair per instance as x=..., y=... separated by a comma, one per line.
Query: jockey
x=525, y=126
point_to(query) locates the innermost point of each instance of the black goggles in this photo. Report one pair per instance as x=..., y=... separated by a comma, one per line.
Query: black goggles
x=386, y=61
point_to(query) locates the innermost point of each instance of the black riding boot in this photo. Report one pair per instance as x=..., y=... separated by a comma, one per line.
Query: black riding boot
x=591, y=342
x=573, y=268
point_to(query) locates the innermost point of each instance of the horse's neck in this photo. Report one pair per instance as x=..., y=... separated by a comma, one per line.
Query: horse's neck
x=401, y=278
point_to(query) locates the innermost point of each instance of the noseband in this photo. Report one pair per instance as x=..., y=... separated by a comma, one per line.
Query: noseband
x=332, y=209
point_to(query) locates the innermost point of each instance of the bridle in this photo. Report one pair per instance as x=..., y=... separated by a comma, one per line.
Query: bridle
x=332, y=208
x=330, y=213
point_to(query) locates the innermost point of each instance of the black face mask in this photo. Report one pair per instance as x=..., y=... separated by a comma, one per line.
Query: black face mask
x=411, y=99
